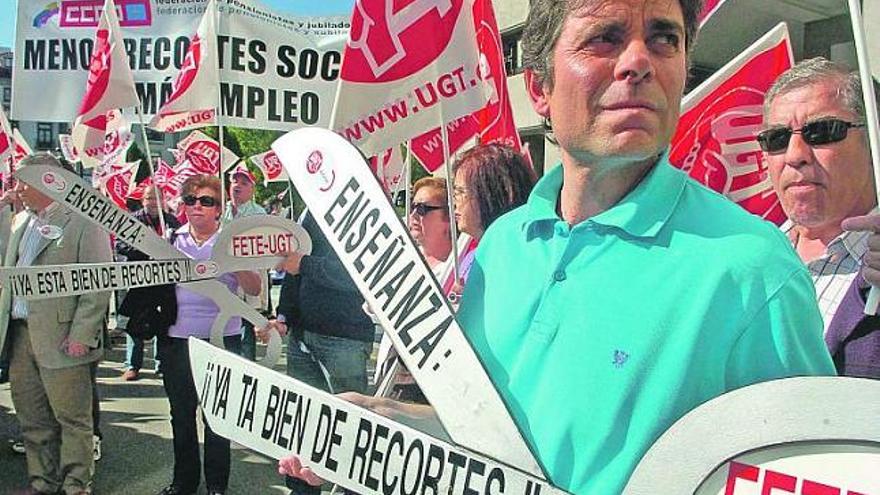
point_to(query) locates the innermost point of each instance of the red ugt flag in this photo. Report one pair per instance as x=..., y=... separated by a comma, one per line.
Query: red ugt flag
x=110, y=86
x=493, y=123
x=715, y=139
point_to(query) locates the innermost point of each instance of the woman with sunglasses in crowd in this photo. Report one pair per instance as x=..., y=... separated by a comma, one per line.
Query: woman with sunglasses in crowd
x=490, y=180
x=429, y=220
x=195, y=316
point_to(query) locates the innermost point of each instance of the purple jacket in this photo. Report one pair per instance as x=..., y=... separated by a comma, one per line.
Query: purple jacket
x=853, y=338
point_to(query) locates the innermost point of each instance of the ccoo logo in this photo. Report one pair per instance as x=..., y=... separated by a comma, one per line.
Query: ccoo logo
x=388, y=42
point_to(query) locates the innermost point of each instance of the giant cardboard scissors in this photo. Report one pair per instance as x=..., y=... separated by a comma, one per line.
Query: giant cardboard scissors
x=251, y=243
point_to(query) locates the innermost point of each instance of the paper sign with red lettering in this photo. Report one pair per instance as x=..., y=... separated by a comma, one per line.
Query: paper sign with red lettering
x=852, y=470
x=270, y=165
x=715, y=139
x=407, y=69
x=110, y=86
x=203, y=153
x=813, y=435
x=195, y=91
x=494, y=123
x=261, y=236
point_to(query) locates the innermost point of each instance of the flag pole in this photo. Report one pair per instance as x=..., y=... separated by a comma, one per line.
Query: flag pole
x=139, y=110
x=453, y=229
x=219, y=113
x=407, y=179
x=855, y=14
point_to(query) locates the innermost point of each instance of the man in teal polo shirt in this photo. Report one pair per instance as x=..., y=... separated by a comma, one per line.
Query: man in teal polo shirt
x=623, y=294
x=645, y=293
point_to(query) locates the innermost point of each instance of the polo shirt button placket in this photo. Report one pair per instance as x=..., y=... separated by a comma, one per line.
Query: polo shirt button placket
x=559, y=275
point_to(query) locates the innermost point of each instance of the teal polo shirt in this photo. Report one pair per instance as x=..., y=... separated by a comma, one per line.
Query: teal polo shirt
x=601, y=335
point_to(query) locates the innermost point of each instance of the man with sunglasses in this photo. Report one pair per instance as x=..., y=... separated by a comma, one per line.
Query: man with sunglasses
x=816, y=148
x=241, y=204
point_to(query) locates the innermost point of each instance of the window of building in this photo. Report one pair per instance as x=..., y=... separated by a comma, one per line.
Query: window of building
x=511, y=48
x=63, y=128
x=44, y=136
x=7, y=96
x=155, y=136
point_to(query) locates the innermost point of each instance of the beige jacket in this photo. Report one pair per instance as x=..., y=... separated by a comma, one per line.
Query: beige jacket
x=50, y=321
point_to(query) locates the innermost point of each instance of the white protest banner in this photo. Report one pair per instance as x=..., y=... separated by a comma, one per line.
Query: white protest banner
x=397, y=82
x=359, y=450
x=715, y=139
x=203, y=152
x=270, y=165
x=804, y=436
x=374, y=246
x=277, y=71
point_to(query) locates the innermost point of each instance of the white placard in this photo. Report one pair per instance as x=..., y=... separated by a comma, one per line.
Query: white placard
x=820, y=432
x=277, y=71
x=357, y=449
x=354, y=214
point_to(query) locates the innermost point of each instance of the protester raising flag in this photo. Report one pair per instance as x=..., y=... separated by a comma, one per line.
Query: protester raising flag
x=715, y=139
x=492, y=124
x=194, y=93
x=396, y=82
x=110, y=86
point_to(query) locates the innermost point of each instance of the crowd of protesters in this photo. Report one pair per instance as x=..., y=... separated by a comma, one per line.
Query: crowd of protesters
x=555, y=298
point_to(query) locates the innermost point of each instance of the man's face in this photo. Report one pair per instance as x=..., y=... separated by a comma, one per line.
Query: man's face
x=241, y=189
x=619, y=70
x=819, y=185
x=31, y=198
x=150, y=203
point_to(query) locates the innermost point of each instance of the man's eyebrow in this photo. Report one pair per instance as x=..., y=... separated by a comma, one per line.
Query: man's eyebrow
x=666, y=25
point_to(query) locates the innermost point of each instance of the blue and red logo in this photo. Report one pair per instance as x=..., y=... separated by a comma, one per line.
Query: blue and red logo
x=87, y=13
x=49, y=11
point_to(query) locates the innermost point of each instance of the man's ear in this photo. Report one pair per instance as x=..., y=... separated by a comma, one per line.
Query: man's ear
x=539, y=93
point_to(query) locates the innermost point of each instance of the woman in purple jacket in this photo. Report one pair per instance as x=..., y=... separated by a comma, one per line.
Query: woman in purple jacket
x=195, y=316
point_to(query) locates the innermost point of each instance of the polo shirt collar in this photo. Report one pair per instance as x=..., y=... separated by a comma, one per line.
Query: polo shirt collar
x=641, y=213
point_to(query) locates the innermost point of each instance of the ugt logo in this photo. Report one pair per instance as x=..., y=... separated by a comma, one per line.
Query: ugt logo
x=188, y=72
x=389, y=38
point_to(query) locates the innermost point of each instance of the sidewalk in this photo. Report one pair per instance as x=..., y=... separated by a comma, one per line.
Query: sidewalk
x=137, y=439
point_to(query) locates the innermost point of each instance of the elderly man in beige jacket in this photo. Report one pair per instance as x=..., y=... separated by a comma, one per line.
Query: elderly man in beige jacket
x=53, y=343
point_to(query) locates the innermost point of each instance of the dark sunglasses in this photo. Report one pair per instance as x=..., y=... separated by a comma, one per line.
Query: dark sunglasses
x=816, y=133
x=206, y=201
x=422, y=209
